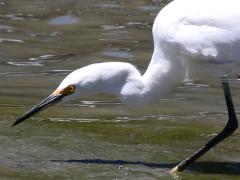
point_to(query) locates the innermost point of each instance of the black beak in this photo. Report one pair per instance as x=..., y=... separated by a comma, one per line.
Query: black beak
x=50, y=100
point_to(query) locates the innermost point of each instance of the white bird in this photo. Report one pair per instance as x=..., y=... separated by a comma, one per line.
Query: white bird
x=191, y=38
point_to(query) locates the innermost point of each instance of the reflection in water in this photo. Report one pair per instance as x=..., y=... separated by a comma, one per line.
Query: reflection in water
x=231, y=168
x=117, y=162
x=63, y=20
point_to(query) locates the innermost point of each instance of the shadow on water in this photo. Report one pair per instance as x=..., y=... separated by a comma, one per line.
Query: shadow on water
x=115, y=162
x=206, y=167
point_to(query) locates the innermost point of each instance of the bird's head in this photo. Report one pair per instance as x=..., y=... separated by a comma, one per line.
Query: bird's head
x=67, y=90
x=120, y=79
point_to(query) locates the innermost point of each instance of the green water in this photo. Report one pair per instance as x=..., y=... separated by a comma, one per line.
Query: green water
x=98, y=137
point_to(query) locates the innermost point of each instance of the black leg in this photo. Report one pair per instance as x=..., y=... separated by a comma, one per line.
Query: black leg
x=231, y=126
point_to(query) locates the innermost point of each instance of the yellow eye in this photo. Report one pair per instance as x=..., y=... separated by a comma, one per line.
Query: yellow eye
x=71, y=89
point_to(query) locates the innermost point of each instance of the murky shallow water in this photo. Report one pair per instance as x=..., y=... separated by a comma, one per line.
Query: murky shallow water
x=98, y=137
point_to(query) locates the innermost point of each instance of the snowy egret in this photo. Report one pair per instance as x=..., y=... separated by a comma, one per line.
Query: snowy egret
x=191, y=38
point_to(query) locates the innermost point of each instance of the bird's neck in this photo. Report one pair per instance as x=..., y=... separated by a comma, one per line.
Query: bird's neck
x=163, y=73
x=160, y=78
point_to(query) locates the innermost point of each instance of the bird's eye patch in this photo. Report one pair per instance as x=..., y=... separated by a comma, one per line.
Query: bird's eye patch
x=66, y=91
x=70, y=89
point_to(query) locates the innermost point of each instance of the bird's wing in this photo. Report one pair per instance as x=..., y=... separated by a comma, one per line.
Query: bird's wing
x=206, y=31
x=207, y=42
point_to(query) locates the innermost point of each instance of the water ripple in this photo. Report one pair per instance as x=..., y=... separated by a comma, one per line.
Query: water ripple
x=191, y=83
x=42, y=34
x=19, y=17
x=135, y=25
x=93, y=104
x=109, y=5
x=126, y=119
x=73, y=120
x=11, y=40
x=49, y=57
x=181, y=119
x=112, y=26
x=2, y=3
x=41, y=60
x=5, y=27
x=118, y=54
x=149, y=8
x=139, y=25
x=35, y=73
x=24, y=63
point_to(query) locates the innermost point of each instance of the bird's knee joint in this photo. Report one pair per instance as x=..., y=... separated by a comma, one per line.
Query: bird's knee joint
x=231, y=127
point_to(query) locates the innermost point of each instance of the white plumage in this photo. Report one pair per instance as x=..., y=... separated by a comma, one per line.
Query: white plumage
x=192, y=39
x=206, y=30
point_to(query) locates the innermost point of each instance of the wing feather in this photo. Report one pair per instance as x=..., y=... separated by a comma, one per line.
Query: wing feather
x=206, y=30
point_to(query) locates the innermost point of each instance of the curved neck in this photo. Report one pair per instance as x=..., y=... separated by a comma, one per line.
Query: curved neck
x=161, y=77
x=163, y=74
x=125, y=81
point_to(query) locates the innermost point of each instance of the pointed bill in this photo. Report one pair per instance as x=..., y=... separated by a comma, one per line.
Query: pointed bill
x=50, y=100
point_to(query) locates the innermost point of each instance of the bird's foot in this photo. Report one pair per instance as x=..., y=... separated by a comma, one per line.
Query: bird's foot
x=174, y=171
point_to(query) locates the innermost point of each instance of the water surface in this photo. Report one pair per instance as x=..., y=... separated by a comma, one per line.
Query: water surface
x=99, y=137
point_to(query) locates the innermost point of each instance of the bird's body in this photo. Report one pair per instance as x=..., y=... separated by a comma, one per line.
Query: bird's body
x=192, y=38
x=203, y=35
x=201, y=30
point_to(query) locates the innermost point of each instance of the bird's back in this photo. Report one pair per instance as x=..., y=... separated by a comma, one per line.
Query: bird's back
x=199, y=30
x=208, y=29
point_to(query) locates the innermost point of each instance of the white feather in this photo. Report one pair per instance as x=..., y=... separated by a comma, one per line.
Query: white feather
x=192, y=38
